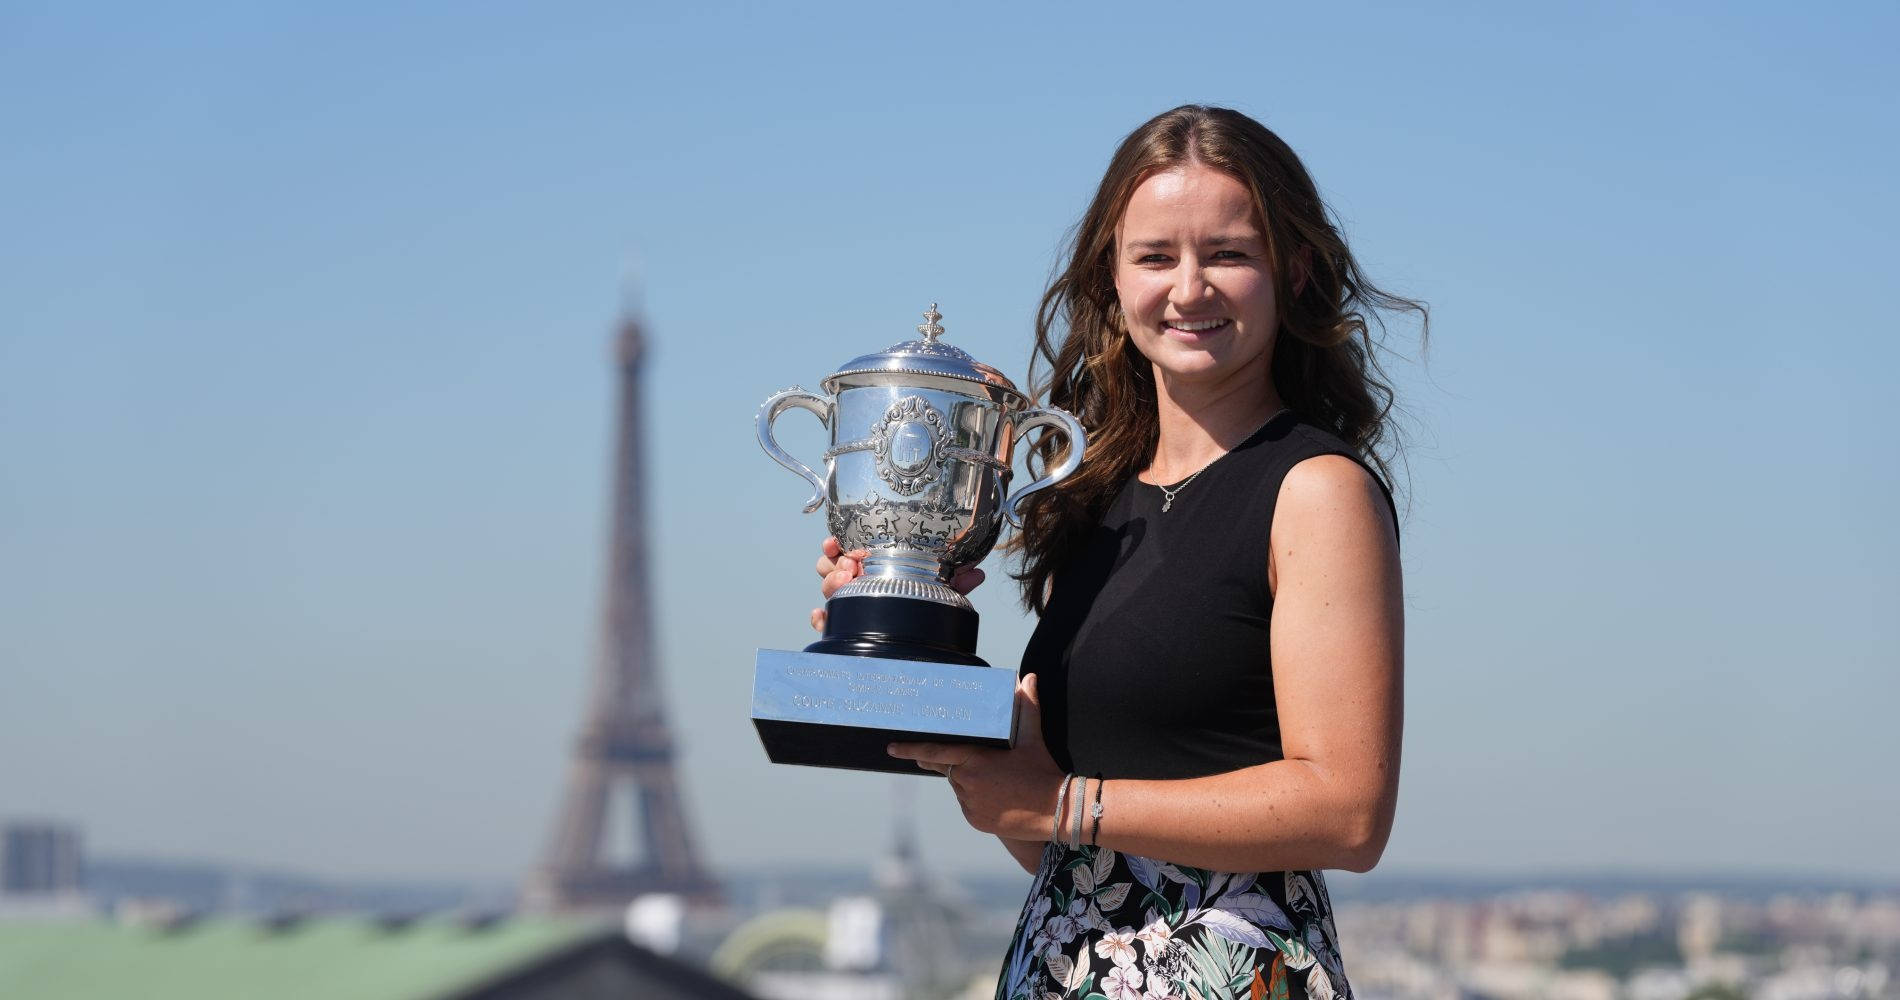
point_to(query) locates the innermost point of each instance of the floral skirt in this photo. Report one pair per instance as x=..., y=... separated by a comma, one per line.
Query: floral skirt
x=1105, y=926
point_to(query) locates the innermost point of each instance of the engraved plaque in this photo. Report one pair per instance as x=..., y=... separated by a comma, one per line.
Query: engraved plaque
x=848, y=708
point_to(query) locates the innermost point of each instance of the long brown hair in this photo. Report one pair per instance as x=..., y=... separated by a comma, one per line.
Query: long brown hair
x=1325, y=360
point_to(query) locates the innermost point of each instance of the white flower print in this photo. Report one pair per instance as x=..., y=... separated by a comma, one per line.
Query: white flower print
x=1160, y=934
x=1155, y=938
x=1117, y=946
x=1123, y=982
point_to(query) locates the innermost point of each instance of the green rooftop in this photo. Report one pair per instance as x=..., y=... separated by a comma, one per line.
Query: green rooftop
x=320, y=959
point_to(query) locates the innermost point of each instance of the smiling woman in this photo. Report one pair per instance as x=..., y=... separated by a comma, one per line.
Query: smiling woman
x=1195, y=279
x=1211, y=700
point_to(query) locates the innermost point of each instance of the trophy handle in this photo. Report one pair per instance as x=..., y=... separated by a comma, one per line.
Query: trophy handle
x=794, y=398
x=1078, y=440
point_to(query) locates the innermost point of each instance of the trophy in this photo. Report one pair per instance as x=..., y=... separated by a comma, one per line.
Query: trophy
x=917, y=475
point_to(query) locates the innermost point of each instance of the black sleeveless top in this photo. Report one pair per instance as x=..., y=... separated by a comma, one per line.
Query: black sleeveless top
x=1152, y=656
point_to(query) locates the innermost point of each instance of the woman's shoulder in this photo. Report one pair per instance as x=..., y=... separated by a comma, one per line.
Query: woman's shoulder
x=1287, y=442
x=1320, y=474
x=1335, y=489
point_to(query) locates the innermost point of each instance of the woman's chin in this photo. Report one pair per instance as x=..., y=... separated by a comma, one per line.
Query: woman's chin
x=1208, y=371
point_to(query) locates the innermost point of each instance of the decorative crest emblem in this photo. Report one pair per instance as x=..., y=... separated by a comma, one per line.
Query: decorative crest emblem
x=909, y=444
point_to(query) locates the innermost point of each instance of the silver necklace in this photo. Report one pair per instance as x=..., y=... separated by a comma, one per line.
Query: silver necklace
x=1168, y=494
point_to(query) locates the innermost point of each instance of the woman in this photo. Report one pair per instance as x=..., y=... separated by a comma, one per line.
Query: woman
x=1212, y=696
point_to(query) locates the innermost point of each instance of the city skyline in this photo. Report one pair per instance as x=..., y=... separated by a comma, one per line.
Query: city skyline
x=306, y=324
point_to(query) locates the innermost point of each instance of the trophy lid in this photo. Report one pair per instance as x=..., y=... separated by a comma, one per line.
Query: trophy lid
x=926, y=357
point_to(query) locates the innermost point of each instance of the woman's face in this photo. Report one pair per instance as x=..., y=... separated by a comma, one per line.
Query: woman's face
x=1195, y=283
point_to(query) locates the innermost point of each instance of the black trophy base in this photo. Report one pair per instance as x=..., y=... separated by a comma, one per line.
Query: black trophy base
x=817, y=744
x=887, y=670
x=895, y=628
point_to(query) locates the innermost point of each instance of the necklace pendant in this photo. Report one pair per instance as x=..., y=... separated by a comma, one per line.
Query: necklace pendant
x=1165, y=504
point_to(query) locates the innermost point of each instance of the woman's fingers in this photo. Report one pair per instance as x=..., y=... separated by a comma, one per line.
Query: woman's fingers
x=828, y=565
x=832, y=560
x=938, y=757
x=837, y=567
x=839, y=578
x=832, y=550
x=967, y=579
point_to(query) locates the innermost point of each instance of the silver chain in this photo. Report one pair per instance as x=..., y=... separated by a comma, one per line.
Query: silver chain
x=1168, y=494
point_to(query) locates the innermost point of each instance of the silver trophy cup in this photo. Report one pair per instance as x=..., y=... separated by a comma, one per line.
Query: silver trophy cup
x=917, y=474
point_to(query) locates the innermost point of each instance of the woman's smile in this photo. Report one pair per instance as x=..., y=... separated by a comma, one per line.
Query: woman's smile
x=1195, y=328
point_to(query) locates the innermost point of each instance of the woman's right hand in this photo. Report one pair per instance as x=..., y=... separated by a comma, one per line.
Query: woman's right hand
x=836, y=567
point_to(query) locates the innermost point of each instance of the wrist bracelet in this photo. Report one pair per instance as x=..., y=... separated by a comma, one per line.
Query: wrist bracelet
x=1062, y=796
x=1075, y=836
x=1096, y=811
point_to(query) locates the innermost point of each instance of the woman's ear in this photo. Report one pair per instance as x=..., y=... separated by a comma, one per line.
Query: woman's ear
x=1299, y=268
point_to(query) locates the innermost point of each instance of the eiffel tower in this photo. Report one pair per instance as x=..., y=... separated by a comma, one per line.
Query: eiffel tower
x=622, y=767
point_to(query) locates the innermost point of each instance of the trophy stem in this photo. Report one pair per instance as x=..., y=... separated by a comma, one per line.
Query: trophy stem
x=906, y=576
x=899, y=629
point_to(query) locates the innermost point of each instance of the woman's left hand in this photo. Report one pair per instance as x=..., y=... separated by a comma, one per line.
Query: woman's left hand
x=1010, y=793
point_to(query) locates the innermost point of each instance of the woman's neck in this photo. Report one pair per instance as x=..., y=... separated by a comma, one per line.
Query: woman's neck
x=1201, y=423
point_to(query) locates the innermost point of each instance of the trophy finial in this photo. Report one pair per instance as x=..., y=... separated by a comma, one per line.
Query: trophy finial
x=931, y=329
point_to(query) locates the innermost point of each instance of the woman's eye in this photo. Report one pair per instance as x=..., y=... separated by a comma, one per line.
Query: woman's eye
x=1153, y=258
x=1230, y=255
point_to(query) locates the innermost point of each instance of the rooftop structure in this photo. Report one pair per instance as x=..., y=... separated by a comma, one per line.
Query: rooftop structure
x=340, y=959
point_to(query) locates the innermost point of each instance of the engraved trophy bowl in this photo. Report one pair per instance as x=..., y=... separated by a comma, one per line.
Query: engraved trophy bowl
x=917, y=473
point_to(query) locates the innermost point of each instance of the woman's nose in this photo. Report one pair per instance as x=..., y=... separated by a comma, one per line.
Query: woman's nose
x=1190, y=286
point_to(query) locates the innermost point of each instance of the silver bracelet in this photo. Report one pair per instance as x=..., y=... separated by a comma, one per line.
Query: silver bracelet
x=1075, y=836
x=1062, y=796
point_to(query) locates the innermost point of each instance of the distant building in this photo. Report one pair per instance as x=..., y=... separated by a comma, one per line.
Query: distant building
x=40, y=859
x=161, y=957
x=906, y=940
x=42, y=873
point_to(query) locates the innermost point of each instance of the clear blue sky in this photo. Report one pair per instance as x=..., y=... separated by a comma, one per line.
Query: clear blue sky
x=304, y=396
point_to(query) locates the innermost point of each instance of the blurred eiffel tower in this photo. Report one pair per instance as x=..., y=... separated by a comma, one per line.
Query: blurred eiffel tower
x=622, y=768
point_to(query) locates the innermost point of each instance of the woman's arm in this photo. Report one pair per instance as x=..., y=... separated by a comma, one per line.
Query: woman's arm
x=1027, y=853
x=836, y=568
x=1338, y=656
x=1338, y=652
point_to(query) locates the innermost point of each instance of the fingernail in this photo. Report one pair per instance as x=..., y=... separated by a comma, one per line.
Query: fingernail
x=890, y=748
